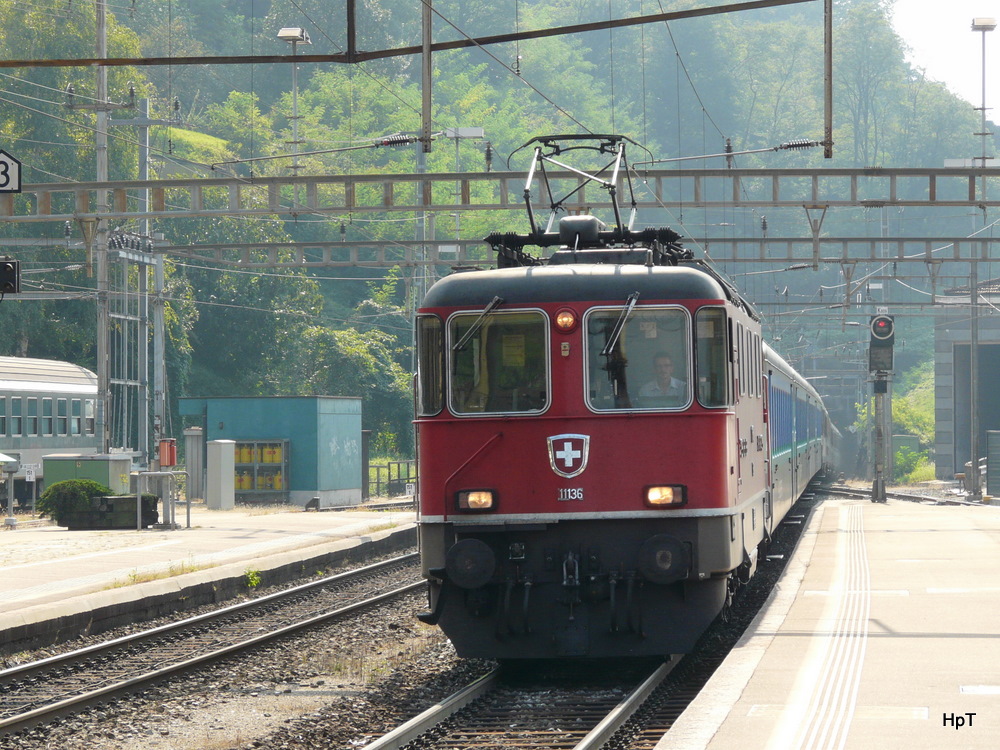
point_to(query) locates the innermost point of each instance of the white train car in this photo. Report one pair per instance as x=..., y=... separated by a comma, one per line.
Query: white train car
x=46, y=406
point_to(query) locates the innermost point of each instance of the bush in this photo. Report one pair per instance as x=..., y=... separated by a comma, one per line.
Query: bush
x=911, y=467
x=70, y=496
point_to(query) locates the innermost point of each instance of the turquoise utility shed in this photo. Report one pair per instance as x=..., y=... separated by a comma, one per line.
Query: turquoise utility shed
x=288, y=448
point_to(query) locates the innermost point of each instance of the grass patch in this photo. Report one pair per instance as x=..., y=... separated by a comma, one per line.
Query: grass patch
x=382, y=527
x=252, y=509
x=177, y=569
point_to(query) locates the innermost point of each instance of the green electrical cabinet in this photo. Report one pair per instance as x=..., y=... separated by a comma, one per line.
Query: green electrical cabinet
x=110, y=469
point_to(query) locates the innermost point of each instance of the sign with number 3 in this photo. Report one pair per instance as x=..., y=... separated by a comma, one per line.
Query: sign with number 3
x=10, y=173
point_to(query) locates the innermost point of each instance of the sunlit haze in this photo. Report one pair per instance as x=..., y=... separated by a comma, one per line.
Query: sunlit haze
x=942, y=43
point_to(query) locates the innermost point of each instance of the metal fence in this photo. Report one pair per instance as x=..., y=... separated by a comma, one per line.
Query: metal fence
x=390, y=479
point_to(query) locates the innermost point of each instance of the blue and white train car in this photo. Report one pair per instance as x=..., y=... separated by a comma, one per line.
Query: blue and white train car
x=803, y=439
x=46, y=406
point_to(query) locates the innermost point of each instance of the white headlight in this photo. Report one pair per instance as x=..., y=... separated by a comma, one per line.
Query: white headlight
x=475, y=500
x=663, y=495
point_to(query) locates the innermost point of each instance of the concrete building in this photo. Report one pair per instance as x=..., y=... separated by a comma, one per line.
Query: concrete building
x=288, y=448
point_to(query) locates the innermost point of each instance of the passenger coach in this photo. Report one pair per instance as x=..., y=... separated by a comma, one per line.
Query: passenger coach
x=46, y=406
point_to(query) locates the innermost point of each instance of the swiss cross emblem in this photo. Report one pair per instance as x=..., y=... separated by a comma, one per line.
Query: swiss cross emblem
x=568, y=454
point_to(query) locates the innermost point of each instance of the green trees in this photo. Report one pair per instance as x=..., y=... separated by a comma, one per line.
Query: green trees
x=754, y=77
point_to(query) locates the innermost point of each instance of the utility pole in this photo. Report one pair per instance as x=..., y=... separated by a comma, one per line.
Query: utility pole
x=426, y=74
x=972, y=478
x=151, y=453
x=101, y=247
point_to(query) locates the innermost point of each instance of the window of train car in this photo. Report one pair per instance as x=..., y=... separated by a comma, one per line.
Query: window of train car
x=76, y=412
x=15, y=416
x=430, y=365
x=712, y=361
x=31, y=423
x=62, y=418
x=648, y=365
x=502, y=367
x=3, y=416
x=89, y=410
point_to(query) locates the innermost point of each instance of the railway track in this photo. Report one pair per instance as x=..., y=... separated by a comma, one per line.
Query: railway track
x=619, y=708
x=608, y=712
x=39, y=691
x=862, y=493
x=579, y=709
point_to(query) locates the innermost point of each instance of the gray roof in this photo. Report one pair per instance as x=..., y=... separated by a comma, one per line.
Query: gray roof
x=23, y=373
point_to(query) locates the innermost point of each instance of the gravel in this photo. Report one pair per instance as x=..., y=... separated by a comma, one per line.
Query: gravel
x=336, y=686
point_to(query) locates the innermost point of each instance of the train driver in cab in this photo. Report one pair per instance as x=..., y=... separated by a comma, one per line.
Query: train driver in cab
x=664, y=389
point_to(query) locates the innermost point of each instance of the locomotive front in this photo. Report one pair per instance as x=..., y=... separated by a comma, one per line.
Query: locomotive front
x=581, y=490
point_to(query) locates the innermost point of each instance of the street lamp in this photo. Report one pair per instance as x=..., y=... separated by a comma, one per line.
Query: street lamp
x=295, y=36
x=975, y=489
x=983, y=25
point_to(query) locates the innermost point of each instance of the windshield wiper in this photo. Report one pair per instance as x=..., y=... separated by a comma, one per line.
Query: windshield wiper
x=616, y=332
x=493, y=305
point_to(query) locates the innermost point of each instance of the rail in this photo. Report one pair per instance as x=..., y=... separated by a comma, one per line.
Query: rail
x=38, y=691
x=587, y=718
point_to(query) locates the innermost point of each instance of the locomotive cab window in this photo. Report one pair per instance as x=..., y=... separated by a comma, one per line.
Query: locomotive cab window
x=712, y=357
x=430, y=365
x=502, y=367
x=642, y=362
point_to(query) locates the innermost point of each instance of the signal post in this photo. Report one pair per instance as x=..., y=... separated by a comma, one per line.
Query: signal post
x=883, y=336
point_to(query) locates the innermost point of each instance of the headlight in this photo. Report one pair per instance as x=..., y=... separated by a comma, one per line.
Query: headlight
x=565, y=320
x=476, y=500
x=665, y=495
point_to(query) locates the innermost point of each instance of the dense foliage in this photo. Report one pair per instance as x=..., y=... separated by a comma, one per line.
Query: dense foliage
x=682, y=89
x=70, y=496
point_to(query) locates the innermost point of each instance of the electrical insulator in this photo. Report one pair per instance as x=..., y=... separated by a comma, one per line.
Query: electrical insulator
x=395, y=140
x=489, y=156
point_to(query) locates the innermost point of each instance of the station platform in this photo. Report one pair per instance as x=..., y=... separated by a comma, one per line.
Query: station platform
x=883, y=632
x=56, y=582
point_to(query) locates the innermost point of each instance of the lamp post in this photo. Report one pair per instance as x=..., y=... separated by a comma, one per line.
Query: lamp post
x=981, y=25
x=295, y=36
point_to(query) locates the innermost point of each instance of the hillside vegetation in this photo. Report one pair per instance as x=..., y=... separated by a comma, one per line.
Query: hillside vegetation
x=753, y=78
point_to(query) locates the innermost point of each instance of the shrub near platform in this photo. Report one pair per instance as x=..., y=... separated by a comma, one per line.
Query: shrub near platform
x=86, y=504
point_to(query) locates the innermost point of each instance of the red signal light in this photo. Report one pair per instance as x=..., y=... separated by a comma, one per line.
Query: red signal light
x=882, y=329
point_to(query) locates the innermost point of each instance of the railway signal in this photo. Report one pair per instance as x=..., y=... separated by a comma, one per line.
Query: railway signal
x=10, y=276
x=883, y=336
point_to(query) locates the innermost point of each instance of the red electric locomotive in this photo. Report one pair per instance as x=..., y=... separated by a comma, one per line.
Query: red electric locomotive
x=605, y=443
